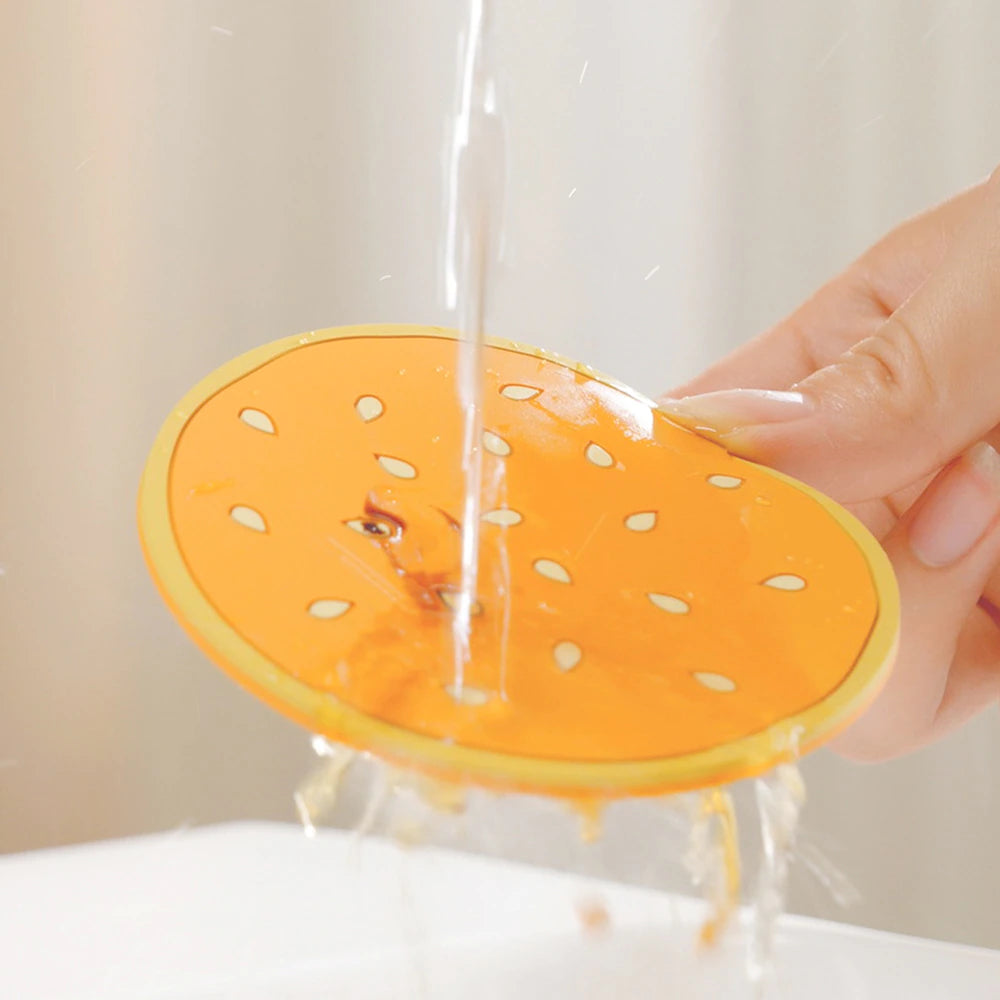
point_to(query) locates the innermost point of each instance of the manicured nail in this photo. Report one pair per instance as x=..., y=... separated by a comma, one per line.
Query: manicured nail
x=960, y=509
x=725, y=411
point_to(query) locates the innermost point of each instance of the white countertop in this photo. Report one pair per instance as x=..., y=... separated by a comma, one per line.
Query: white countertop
x=260, y=912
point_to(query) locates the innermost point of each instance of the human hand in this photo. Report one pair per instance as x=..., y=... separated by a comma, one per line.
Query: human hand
x=883, y=390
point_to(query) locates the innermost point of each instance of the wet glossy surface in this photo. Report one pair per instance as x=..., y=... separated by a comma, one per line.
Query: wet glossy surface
x=664, y=597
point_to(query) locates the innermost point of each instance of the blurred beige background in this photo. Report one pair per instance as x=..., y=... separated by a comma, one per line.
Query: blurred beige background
x=185, y=179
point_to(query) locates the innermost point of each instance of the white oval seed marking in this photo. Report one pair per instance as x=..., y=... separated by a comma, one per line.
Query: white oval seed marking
x=329, y=607
x=503, y=516
x=248, y=517
x=495, y=444
x=369, y=408
x=567, y=655
x=785, y=581
x=452, y=599
x=715, y=682
x=519, y=392
x=257, y=419
x=644, y=520
x=397, y=467
x=552, y=570
x=725, y=482
x=468, y=695
x=599, y=456
x=666, y=602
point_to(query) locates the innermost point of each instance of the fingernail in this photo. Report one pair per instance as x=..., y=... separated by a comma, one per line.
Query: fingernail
x=960, y=509
x=725, y=411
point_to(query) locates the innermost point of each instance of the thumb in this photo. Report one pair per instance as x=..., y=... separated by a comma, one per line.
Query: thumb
x=899, y=404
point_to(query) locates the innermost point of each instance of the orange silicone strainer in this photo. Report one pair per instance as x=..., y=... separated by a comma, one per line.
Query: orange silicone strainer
x=655, y=615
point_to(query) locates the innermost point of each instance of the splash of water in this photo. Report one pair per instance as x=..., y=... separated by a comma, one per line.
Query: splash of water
x=316, y=796
x=842, y=890
x=473, y=199
x=414, y=809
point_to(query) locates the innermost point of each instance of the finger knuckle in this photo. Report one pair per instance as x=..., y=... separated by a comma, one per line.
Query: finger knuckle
x=894, y=369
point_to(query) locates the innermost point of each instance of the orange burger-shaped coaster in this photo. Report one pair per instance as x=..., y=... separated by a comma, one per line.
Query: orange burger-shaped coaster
x=653, y=615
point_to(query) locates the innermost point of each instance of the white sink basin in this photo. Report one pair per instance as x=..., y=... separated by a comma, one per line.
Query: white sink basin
x=260, y=912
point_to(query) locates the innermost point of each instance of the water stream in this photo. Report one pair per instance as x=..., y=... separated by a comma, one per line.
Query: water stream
x=780, y=798
x=474, y=184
